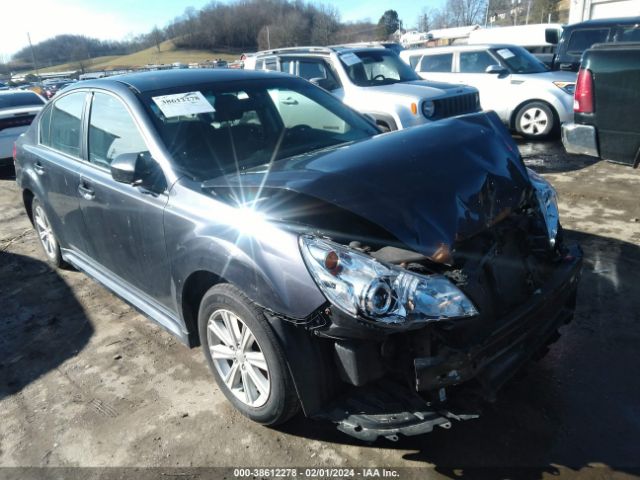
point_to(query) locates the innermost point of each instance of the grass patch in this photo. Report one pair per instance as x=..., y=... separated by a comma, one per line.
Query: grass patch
x=168, y=54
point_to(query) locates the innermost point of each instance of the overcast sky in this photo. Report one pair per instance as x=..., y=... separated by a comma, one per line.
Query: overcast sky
x=115, y=19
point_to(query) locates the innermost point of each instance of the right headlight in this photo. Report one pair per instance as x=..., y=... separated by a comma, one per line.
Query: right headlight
x=567, y=87
x=428, y=108
x=360, y=285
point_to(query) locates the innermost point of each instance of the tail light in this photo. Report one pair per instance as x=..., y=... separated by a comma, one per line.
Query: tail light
x=15, y=150
x=583, y=97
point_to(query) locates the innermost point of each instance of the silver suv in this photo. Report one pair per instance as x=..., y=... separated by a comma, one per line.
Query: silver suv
x=373, y=81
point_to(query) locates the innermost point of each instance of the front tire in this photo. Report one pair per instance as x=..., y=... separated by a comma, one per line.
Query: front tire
x=245, y=357
x=535, y=120
x=48, y=240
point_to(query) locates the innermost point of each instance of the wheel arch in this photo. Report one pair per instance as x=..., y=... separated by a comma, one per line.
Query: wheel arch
x=308, y=359
x=27, y=200
x=384, y=119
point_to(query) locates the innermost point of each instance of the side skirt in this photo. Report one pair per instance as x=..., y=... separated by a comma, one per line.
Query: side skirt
x=130, y=294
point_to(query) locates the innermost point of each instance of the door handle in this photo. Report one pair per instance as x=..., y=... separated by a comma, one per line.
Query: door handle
x=86, y=191
x=38, y=168
x=290, y=101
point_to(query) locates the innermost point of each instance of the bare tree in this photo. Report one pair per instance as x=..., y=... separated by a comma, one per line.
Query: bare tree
x=156, y=36
x=466, y=12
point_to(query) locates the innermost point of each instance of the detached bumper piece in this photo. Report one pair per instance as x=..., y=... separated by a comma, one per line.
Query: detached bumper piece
x=387, y=409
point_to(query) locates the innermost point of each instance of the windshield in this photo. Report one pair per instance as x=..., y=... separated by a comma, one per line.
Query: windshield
x=20, y=99
x=214, y=129
x=518, y=60
x=375, y=67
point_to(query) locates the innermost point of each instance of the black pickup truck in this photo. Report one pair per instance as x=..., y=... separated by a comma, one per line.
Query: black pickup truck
x=578, y=37
x=606, y=105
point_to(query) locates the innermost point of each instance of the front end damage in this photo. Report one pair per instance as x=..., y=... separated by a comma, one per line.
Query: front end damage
x=408, y=382
x=443, y=266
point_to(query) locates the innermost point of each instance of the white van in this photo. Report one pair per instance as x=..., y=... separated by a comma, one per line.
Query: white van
x=539, y=39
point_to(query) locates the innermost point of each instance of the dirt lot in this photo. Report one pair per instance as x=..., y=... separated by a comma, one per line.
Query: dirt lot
x=87, y=381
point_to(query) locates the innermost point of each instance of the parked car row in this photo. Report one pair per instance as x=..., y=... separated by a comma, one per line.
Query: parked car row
x=17, y=111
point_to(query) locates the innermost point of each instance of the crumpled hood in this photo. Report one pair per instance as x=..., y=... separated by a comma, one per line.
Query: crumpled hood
x=421, y=89
x=427, y=186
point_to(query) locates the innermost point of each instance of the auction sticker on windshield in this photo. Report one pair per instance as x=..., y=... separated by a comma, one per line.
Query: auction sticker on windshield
x=350, y=59
x=190, y=103
x=505, y=53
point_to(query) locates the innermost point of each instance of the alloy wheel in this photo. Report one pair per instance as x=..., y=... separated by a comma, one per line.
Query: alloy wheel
x=238, y=358
x=47, y=239
x=534, y=121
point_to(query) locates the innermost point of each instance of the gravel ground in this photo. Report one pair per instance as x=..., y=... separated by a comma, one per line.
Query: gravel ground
x=87, y=381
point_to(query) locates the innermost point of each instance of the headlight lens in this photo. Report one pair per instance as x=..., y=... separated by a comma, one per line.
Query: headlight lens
x=428, y=108
x=568, y=87
x=548, y=201
x=360, y=285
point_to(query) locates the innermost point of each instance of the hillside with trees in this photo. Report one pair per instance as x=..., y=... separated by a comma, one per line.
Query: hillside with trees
x=243, y=25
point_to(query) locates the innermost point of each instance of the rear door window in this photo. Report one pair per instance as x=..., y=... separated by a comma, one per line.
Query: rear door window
x=581, y=40
x=476, y=62
x=66, y=123
x=271, y=64
x=437, y=63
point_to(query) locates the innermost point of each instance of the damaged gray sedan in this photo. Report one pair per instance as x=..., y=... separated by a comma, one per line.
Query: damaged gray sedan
x=378, y=281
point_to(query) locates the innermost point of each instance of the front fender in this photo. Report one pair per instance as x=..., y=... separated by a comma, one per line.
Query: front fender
x=260, y=258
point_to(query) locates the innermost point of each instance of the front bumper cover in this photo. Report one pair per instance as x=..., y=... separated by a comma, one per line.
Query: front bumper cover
x=378, y=409
x=525, y=332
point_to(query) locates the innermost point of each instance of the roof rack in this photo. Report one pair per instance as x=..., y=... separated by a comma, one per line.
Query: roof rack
x=372, y=44
x=296, y=50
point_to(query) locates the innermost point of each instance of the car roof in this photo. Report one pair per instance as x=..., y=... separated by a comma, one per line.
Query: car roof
x=456, y=48
x=162, y=79
x=604, y=22
x=320, y=50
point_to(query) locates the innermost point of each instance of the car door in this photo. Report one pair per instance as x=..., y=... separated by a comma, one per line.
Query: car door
x=55, y=161
x=124, y=222
x=494, y=88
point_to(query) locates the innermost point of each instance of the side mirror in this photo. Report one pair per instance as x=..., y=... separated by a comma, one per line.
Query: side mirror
x=496, y=70
x=124, y=168
x=551, y=36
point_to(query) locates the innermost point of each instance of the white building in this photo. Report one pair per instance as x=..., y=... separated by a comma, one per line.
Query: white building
x=581, y=10
x=413, y=37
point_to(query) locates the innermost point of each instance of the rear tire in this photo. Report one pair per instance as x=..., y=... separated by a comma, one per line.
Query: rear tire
x=47, y=238
x=535, y=120
x=245, y=357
